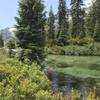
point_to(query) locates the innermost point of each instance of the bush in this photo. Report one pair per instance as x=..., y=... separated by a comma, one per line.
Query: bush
x=1, y=41
x=20, y=81
x=77, y=51
x=10, y=44
x=92, y=49
x=86, y=40
x=23, y=54
x=81, y=42
x=30, y=55
x=73, y=41
x=20, y=54
x=96, y=49
x=56, y=50
x=44, y=95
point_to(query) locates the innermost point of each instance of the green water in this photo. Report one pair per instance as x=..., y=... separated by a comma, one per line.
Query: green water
x=82, y=66
x=79, y=67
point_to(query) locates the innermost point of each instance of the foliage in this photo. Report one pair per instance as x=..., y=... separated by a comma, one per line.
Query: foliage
x=90, y=22
x=44, y=95
x=10, y=44
x=78, y=41
x=23, y=54
x=10, y=47
x=86, y=40
x=29, y=55
x=93, y=20
x=1, y=41
x=96, y=49
x=2, y=52
x=75, y=95
x=51, y=26
x=77, y=13
x=92, y=95
x=97, y=32
x=62, y=21
x=20, y=54
x=30, y=27
x=21, y=81
x=91, y=49
x=73, y=41
x=77, y=50
x=77, y=47
x=56, y=50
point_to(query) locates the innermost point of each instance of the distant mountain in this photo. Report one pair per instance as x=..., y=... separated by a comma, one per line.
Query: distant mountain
x=7, y=33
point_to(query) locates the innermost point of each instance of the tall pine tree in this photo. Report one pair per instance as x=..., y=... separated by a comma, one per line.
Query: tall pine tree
x=77, y=13
x=93, y=21
x=1, y=40
x=97, y=24
x=96, y=35
x=62, y=21
x=30, y=28
x=51, y=26
x=90, y=21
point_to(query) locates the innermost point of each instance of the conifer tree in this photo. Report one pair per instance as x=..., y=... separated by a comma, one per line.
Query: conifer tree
x=93, y=21
x=90, y=21
x=51, y=26
x=77, y=13
x=97, y=24
x=30, y=28
x=1, y=41
x=97, y=32
x=62, y=21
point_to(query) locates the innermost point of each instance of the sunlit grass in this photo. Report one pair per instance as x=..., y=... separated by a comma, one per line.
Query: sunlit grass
x=84, y=67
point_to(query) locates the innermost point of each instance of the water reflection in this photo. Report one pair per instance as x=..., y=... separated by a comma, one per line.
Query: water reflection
x=65, y=83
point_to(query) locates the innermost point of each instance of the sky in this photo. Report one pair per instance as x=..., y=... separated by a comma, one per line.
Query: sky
x=8, y=10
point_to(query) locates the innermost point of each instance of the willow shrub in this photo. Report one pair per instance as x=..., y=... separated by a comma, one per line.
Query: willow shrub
x=56, y=50
x=20, y=81
x=92, y=49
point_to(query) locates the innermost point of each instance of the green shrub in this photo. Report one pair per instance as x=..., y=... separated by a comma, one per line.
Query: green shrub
x=24, y=54
x=44, y=95
x=20, y=54
x=77, y=50
x=30, y=55
x=86, y=40
x=73, y=41
x=96, y=49
x=3, y=52
x=1, y=41
x=56, y=50
x=10, y=44
x=20, y=81
x=92, y=49
x=78, y=41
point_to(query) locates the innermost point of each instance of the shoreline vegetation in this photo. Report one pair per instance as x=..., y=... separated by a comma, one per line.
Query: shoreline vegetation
x=19, y=79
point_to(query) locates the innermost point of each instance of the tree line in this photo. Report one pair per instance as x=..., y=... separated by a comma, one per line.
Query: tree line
x=35, y=29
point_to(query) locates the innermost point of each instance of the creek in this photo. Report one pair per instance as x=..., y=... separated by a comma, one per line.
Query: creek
x=65, y=83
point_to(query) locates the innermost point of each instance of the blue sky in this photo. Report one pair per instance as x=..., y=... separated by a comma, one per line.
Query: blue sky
x=8, y=10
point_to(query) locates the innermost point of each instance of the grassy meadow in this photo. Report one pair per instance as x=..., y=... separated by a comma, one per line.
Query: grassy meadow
x=83, y=66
